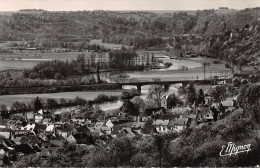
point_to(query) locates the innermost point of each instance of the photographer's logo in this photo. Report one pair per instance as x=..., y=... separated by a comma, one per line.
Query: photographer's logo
x=232, y=149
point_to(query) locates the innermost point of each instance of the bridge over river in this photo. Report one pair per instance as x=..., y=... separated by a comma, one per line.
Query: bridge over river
x=166, y=84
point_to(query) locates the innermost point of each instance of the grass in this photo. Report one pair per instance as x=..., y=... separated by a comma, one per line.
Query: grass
x=8, y=100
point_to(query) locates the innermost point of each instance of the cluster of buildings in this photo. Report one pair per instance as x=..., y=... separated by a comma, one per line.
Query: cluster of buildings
x=45, y=133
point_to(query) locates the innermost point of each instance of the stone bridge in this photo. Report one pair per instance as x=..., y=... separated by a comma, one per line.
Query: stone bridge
x=166, y=84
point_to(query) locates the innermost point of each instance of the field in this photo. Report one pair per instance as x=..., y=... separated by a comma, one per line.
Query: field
x=29, y=60
x=8, y=100
x=107, y=45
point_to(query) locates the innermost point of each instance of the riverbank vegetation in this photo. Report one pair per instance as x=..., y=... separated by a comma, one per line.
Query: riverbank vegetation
x=51, y=104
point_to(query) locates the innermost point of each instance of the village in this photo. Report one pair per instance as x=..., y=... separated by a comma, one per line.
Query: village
x=43, y=133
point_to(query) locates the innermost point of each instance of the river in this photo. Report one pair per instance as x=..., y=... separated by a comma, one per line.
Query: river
x=194, y=72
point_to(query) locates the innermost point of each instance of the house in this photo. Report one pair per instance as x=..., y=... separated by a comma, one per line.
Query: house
x=205, y=114
x=161, y=125
x=236, y=81
x=99, y=124
x=38, y=118
x=253, y=78
x=127, y=132
x=28, y=127
x=5, y=133
x=31, y=139
x=177, y=125
x=83, y=138
x=244, y=81
x=78, y=121
x=23, y=132
x=50, y=127
x=237, y=114
x=138, y=126
x=229, y=105
x=24, y=148
x=151, y=113
x=71, y=139
x=47, y=115
x=87, y=123
x=39, y=127
x=66, y=130
x=109, y=123
x=57, y=141
x=211, y=91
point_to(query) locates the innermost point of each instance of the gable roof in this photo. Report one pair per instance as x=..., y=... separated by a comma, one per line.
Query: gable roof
x=126, y=132
x=161, y=122
x=169, y=116
x=25, y=148
x=236, y=79
x=252, y=76
x=178, y=122
x=228, y=103
x=244, y=81
x=32, y=139
x=138, y=125
x=211, y=90
x=67, y=127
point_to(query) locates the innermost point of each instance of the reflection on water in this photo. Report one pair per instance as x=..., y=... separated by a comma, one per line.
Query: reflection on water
x=145, y=90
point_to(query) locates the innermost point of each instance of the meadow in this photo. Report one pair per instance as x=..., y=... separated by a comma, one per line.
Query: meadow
x=8, y=100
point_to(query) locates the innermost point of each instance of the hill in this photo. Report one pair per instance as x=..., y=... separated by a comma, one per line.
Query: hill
x=140, y=29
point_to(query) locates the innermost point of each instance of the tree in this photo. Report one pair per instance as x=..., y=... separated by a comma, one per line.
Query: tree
x=129, y=94
x=172, y=101
x=3, y=108
x=189, y=93
x=201, y=97
x=52, y=103
x=37, y=105
x=138, y=103
x=249, y=94
x=159, y=143
x=156, y=92
x=18, y=106
x=129, y=108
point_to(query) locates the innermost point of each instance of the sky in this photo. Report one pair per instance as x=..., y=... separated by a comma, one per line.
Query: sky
x=75, y=5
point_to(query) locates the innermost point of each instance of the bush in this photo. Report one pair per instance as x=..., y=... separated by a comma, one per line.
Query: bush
x=216, y=62
x=104, y=98
x=168, y=64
